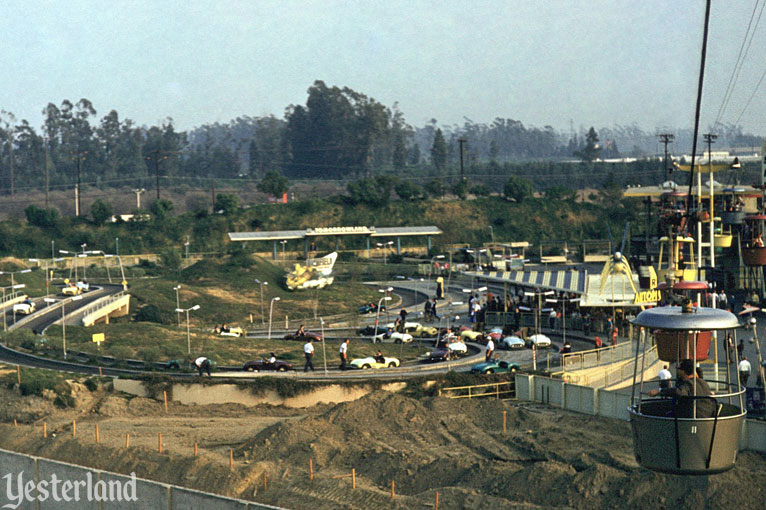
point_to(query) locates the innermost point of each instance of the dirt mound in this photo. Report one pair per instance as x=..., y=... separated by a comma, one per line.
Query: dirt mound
x=547, y=458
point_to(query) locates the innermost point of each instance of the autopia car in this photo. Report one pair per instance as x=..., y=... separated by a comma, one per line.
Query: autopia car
x=513, y=342
x=260, y=365
x=392, y=337
x=495, y=367
x=539, y=341
x=371, y=362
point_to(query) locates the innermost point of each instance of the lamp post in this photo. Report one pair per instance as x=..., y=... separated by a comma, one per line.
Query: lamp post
x=283, y=243
x=377, y=311
x=431, y=265
x=188, y=335
x=84, y=264
x=539, y=294
x=449, y=317
x=177, y=288
x=271, y=309
x=53, y=249
x=63, y=322
x=15, y=272
x=263, y=317
x=12, y=287
x=383, y=247
x=565, y=301
x=324, y=351
x=116, y=245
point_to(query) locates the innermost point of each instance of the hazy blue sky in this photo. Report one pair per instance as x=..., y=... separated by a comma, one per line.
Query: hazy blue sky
x=596, y=62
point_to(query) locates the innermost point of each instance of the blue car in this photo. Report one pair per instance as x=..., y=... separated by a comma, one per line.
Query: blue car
x=495, y=367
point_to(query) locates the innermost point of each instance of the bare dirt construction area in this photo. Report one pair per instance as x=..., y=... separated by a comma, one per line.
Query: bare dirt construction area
x=548, y=458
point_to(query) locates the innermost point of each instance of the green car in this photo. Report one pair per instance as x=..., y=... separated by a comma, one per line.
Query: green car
x=495, y=367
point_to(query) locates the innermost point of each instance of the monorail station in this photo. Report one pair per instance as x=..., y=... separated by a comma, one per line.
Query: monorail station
x=380, y=236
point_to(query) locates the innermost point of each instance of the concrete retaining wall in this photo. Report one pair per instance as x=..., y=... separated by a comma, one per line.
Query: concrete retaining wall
x=610, y=404
x=149, y=494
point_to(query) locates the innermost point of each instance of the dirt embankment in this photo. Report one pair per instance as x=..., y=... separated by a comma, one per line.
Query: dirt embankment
x=547, y=459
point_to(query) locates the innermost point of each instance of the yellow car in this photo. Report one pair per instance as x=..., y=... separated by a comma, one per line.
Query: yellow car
x=71, y=290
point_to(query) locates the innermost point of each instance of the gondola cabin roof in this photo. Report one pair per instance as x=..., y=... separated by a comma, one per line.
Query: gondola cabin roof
x=674, y=318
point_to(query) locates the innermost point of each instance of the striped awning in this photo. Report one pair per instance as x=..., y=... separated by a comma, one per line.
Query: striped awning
x=565, y=280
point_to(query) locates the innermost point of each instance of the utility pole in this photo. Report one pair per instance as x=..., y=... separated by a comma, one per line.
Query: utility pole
x=462, y=142
x=666, y=138
x=709, y=138
x=138, y=197
x=79, y=155
x=155, y=156
x=47, y=170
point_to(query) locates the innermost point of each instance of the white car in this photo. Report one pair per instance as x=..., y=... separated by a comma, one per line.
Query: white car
x=457, y=347
x=513, y=342
x=392, y=337
x=539, y=341
x=25, y=307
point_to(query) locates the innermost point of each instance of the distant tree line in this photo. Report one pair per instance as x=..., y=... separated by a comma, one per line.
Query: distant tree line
x=338, y=134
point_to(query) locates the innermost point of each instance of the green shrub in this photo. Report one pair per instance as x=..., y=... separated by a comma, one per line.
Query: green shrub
x=152, y=313
x=121, y=352
x=149, y=354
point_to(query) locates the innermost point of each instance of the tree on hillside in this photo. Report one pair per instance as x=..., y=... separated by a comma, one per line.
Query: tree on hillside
x=518, y=188
x=415, y=155
x=374, y=192
x=273, y=183
x=101, y=211
x=439, y=151
x=161, y=209
x=225, y=202
x=41, y=217
x=591, y=150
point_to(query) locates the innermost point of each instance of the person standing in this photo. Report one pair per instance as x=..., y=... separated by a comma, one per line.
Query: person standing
x=427, y=314
x=744, y=372
x=552, y=319
x=344, y=353
x=741, y=349
x=203, y=365
x=433, y=310
x=308, y=351
x=490, y=349
x=665, y=377
x=730, y=348
x=403, y=316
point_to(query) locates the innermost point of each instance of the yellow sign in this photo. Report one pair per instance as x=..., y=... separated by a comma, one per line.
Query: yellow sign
x=647, y=296
x=98, y=338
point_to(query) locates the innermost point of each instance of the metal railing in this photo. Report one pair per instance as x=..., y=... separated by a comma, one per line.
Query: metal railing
x=596, y=357
x=505, y=389
x=10, y=297
x=101, y=303
x=614, y=375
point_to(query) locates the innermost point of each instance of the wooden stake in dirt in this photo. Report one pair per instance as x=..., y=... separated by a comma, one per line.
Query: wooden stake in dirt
x=353, y=478
x=100, y=372
x=311, y=468
x=14, y=423
x=74, y=428
x=127, y=440
x=98, y=438
x=264, y=481
x=18, y=373
x=45, y=429
x=231, y=459
x=195, y=449
x=436, y=504
x=393, y=494
x=165, y=396
x=505, y=419
x=159, y=442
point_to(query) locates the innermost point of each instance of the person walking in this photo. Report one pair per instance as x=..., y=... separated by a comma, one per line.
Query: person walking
x=308, y=351
x=343, y=351
x=490, y=349
x=744, y=371
x=433, y=311
x=203, y=365
x=741, y=349
x=730, y=348
x=552, y=319
x=665, y=377
x=427, y=314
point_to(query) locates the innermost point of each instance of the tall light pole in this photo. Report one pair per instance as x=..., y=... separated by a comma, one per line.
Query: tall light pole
x=377, y=312
x=565, y=301
x=84, y=264
x=188, y=335
x=271, y=310
x=539, y=294
x=12, y=287
x=15, y=272
x=431, y=265
x=449, y=316
x=177, y=288
x=63, y=322
x=283, y=243
x=116, y=245
x=324, y=351
x=387, y=291
x=383, y=247
x=263, y=317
